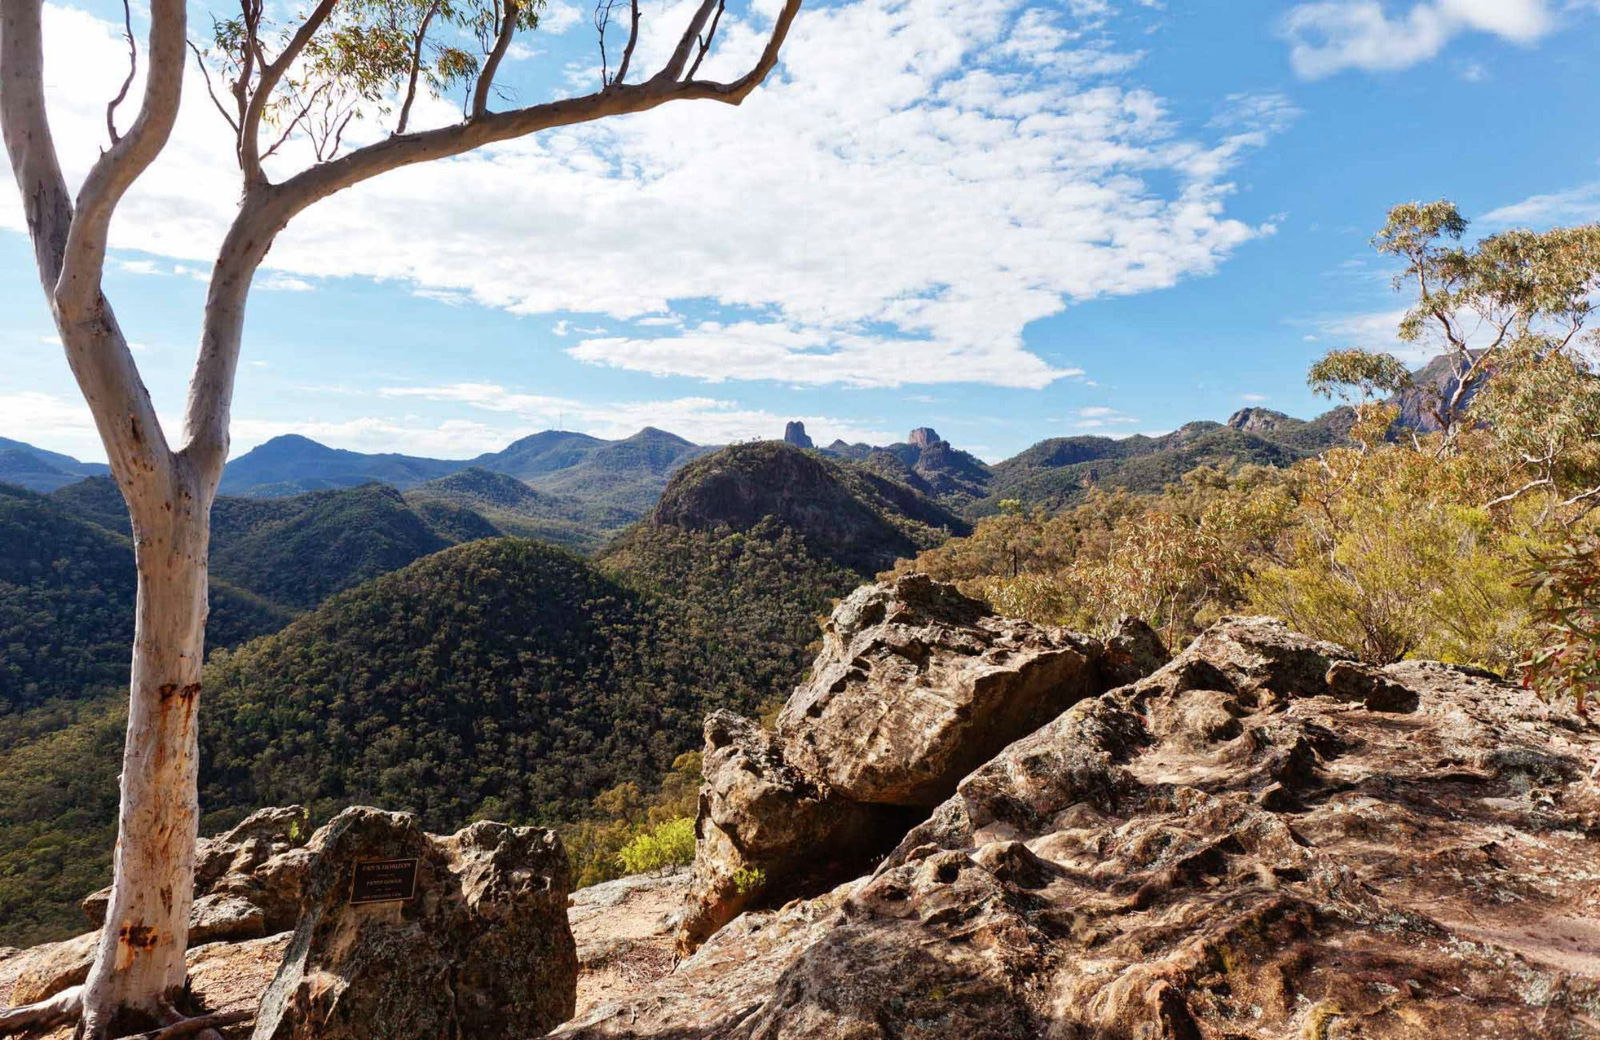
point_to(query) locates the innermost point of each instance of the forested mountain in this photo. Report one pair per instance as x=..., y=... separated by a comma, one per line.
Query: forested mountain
x=291, y=464
x=847, y=514
x=503, y=678
x=626, y=474
x=66, y=605
x=514, y=508
x=1058, y=471
x=23, y=465
x=298, y=550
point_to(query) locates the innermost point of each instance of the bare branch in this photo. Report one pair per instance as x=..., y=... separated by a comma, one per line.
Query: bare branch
x=416, y=67
x=133, y=67
x=491, y=64
x=705, y=43
x=674, y=67
x=633, y=39
x=200, y=60
x=271, y=73
x=78, y=287
x=95, y=348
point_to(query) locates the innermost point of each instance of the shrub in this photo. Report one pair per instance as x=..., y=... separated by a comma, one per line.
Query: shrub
x=669, y=844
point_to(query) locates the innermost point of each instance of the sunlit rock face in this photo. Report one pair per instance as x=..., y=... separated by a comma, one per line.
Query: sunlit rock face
x=1264, y=838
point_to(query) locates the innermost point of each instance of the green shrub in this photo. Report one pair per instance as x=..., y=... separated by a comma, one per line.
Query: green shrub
x=669, y=844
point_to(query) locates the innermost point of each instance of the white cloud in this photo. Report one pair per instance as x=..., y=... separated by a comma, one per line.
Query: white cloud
x=277, y=281
x=1097, y=416
x=899, y=203
x=1578, y=205
x=1331, y=36
x=1253, y=398
x=45, y=419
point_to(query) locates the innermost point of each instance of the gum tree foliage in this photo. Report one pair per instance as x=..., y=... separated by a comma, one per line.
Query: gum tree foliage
x=1517, y=293
x=290, y=86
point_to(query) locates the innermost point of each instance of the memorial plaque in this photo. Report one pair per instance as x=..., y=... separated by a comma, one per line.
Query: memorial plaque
x=384, y=881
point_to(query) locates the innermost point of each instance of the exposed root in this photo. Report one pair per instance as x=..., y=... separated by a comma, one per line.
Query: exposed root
x=64, y=1007
x=67, y=1006
x=191, y=1026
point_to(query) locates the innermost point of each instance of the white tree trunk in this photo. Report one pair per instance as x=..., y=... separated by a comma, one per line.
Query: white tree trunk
x=139, y=965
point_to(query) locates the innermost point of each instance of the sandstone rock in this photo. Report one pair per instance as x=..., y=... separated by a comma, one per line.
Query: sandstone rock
x=246, y=881
x=1243, y=845
x=46, y=970
x=923, y=437
x=483, y=949
x=766, y=833
x=916, y=684
x=1132, y=651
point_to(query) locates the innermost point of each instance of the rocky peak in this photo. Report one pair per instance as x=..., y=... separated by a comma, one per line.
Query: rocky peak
x=1257, y=420
x=923, y=437
x=795, y=433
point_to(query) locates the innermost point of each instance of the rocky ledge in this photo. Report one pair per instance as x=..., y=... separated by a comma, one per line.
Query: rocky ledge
x=1265, y=838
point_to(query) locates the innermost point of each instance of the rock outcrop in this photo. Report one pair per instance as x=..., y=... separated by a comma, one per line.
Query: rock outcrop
x=915, y=686
x=795, y=434
x=1263, y=839
x=246, y=882
x=472, y=940
x=480, y=947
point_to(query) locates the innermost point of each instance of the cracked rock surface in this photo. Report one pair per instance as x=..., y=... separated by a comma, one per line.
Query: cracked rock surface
x=1262, y=839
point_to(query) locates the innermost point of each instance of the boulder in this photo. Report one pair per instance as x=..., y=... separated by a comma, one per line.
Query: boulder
x=480, y=948
x=917, y=684
x=765, y=833
x=1259, y=840
x=246, y=881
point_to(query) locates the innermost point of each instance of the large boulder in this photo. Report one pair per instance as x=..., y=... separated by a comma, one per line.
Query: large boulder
x=1263, y=839
x=467, y=935
x=766, y=833
x=246, y=881
x=917, y=684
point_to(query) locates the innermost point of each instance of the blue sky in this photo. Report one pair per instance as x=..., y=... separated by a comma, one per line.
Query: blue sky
x=1004, y=219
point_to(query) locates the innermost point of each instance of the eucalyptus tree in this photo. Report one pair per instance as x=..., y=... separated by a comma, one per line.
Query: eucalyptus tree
x=290, y=88
x=1518, y=293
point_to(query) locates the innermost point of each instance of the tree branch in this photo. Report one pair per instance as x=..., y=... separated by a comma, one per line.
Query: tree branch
x=200, y=60
x=673, y=69
x=318, y=182
x=633, y=39
x=705, y=44
x=133, y=68
x=416, y=68
x=491, y=64
x=271, y=73
x=95, y=348
x=77, y=290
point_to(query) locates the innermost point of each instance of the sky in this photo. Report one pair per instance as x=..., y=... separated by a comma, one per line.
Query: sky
x=1004, y=219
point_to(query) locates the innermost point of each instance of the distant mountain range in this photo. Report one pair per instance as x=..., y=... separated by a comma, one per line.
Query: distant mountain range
x=23, y=465
x=576, y=490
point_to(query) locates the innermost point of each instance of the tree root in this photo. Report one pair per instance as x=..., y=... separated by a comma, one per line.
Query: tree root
x=191, y=1026
x=67, y=1006
x=64, y=1007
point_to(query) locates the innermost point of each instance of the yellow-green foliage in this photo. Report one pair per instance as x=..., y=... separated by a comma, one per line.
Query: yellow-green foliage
x=749, y=879
x=623, y=814
x=669, y=844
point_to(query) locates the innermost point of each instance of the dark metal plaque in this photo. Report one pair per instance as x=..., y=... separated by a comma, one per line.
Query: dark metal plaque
x=384, y=880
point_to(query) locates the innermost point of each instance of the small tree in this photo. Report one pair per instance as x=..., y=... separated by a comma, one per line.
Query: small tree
x=287, y=89
x=1475, y=304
